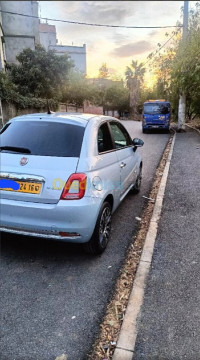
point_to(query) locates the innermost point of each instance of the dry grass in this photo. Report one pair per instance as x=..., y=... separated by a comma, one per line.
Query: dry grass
x=104, y=346
x=195, y=123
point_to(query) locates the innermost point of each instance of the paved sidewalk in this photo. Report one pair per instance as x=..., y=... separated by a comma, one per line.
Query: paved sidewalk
x=169, y=322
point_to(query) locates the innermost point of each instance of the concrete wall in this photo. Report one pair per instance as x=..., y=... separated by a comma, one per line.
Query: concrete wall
x=112, y=113
x=1, y=44
x=19, y=32
x=87, y=108
x=35, y=22
x=92, y=109
x=13, y=46
x=47, y=39
x=76, y=53
x=47, y=35
x=10, y=111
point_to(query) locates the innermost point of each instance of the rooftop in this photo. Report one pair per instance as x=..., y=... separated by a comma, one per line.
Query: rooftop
x=47, y=28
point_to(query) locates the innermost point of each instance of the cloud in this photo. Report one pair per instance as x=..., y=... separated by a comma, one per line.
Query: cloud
x=153, y=33
x=104, y=12
x=120, y=38
x=132, y=49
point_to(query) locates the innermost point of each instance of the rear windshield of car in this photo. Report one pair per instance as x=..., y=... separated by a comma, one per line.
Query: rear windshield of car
x=43, y=138
x=157, y=108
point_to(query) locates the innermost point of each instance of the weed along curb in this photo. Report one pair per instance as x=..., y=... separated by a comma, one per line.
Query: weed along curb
x=127, y=337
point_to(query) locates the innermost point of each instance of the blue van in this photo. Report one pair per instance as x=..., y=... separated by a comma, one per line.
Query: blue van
x=156, y=115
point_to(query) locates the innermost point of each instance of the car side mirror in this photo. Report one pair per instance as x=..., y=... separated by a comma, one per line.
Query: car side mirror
x=137, y=143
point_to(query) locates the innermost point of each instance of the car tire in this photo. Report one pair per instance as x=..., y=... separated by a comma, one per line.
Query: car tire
x=101, y=234
x=137, y=186
x=144, y=131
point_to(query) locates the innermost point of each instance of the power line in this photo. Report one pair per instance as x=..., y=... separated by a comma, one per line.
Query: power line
x=90, y=24
x=159, y=49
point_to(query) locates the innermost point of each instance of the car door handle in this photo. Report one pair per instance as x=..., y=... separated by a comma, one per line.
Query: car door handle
x=122, y=165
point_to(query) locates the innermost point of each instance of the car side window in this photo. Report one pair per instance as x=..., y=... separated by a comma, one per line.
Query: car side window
x=120, y=135
x=104, y=139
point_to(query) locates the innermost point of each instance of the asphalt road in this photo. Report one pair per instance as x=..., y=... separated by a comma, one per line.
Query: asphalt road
x=53, y=296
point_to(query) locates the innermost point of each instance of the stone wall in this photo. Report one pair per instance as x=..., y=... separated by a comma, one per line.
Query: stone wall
x=92, y=109
x=10, y=111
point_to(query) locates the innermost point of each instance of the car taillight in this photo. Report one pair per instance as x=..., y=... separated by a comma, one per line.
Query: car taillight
x=75, y=187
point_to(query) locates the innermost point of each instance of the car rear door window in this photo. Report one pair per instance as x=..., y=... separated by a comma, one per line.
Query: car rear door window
x=44, y=138
x=120, y=135
x=104, y=139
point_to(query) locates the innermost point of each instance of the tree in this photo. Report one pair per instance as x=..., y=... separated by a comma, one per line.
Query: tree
x=178, y=67
x=103, y=71
x=7, y=88
x=134, y=79
x=147, y=93
x=40, y=73
x=117, y=97
x=79, y=89
x=186, y=65
x=161, y=67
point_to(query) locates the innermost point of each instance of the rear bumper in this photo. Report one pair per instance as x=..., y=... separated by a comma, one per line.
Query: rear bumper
x=77, y=218
x=73, y=237
x=155, y=126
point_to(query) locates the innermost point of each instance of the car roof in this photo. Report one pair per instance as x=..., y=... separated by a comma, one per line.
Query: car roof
x=78, y=118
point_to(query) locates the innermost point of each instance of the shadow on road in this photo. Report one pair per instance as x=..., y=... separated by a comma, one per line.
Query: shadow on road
x=31, y=248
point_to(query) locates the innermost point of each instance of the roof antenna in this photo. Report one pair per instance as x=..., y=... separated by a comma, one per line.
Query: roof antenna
x=48, y=108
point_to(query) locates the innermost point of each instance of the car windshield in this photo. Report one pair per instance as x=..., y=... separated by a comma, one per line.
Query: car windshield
x=156, y=108
x=42, y=138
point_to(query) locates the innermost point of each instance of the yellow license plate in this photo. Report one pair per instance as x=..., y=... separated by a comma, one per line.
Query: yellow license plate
x=25, y=187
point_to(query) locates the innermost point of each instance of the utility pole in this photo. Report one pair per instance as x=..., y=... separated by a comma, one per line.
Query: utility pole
x=182, y=96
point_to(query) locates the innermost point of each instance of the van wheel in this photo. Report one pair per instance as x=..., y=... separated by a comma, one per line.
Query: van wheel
x=101, y=234
x=137, y=186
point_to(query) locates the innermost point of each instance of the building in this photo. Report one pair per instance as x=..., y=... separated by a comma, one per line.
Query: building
x=48, y=39
x=47, y=35
x=19, y=32
x=2, y=45
x=76, y=53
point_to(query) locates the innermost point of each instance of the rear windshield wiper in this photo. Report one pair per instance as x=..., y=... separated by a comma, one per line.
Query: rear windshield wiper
x=16, y=149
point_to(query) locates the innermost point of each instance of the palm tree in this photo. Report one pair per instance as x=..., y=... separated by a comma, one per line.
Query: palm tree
x=134, y=79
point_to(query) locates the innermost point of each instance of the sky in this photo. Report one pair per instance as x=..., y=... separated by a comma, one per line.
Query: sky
x=114, y=46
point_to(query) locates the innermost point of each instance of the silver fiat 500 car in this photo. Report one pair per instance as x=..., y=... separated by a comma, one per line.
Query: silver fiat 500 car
x=63, y=175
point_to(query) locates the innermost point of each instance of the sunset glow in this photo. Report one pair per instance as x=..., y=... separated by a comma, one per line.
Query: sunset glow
x=116, y=47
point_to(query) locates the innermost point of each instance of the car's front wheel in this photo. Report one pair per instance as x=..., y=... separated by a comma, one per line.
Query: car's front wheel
x=101, y=234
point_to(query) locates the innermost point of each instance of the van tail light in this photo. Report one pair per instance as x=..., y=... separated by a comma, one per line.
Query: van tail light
x=75, y=187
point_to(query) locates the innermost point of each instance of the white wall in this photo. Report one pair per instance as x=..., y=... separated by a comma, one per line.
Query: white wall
x=76, y=53
x=19, y=32
x=1, y=44
x=13, y=46
x=47, y=39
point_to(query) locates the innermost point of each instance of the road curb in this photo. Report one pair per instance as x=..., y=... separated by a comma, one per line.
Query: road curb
x=127, y=337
